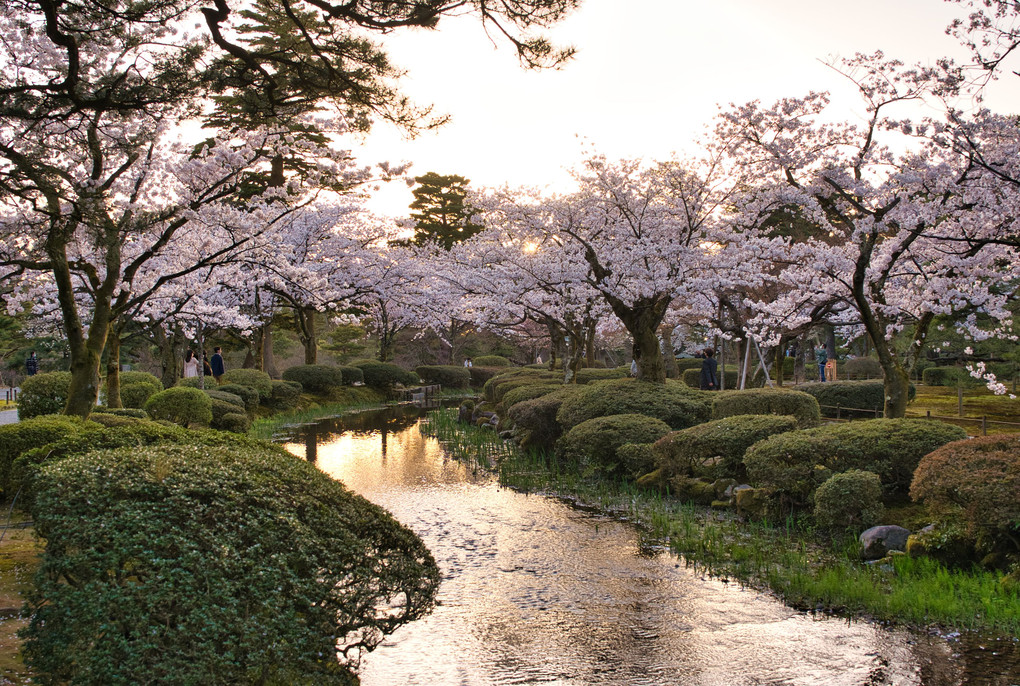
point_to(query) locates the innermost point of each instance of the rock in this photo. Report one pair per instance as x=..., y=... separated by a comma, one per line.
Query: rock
x=878, y=541
x=722, y=487
x=506, y=435
x=732, y=491
x=721, y=505
x=653, y=481
x=752, y=502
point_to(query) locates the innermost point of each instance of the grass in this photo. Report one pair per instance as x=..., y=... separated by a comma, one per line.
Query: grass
x=978, y=401
x=266, y=427
x=19, y=558
x=806, y=568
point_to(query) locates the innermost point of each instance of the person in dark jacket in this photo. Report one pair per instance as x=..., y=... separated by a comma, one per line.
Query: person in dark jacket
x=217, y=364
x=709, y=371
x=32, y=364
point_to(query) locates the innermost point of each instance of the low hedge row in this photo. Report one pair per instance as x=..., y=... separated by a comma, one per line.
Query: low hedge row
x=491, y=361
x=862, y=395
x=673, y=403
x=522, y=393
x=447, y=376
x=181, y=405
x=235, y=563
x=945, y=376
x=384, y=376
x=766, y=401
x=30, y=433
x=315, y=378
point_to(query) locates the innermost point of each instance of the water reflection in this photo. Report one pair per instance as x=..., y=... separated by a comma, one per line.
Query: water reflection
x=537, y=592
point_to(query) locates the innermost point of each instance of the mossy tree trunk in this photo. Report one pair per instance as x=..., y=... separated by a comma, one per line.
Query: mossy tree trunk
x=113, y=367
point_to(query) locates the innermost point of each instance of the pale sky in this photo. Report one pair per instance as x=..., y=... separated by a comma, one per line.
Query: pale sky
x=647, y=80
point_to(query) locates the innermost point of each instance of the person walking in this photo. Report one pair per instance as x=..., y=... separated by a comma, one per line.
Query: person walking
x=191, y=365
x=32, y=364
x=216, y=362
x=710, y=371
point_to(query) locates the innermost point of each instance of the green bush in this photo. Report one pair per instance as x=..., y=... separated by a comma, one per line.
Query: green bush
x=861, y=395
x=522, y=393
x=796, y=462
x=135, y=412
x=976, y=481
x=231, y=564
x=446, y=375
x=534, y=421
x=140, y=377
x=195, y=382
x=491, y=361
x=246, y=393
x=636, y=458
x=716, y=449
x=34, y=432
x=231, y=398
x=692, y=378
x=516, y=377
x=252, y=378
x=851, y=499
x=858, y=368
x=479, y=375
x=220, y=408
x=384, y=376
x=237, y=422
x=593, y=443
x=945, y=376
x=685, y=363
x=672, y=402
x=315, y=378
x=766, y=401
x=133, y=395
x=352, y=375
x=181, y=405
x=588, y=375
x=108, y=420
x=43, y=394
x=284, y=396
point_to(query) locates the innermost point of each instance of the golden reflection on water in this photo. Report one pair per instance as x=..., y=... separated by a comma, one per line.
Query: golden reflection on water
x=537, y=592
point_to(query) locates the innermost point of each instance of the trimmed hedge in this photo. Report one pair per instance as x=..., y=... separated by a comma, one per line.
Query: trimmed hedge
x=794, y=464
x=16, y=439
x=446, y=375
x=108, y=420
x=229, y=564
x=236, y=422
x=945, y=376
x=43, y=394
x=590, y=374
x=692, y=378
x=976, y=481
x=716, y=449
x=518, y=377
x=251, y=378
x=246, y=393
x=534, y=421
x=522, y=393
x=479, y=375
x=858, y=368
x=766, y=401
x=315, y=378
x=133, y=395
x=593, y=444
x=862, y=395
x=491, y=361
x=352, y=375
x=672, y=402
x=383, y=376
x=181, y=405
x=285, y=396
x=140, y=377
x=852, y=499
x=232, y=399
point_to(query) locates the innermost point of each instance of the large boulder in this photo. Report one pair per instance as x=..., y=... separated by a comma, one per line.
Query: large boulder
x=879, y=541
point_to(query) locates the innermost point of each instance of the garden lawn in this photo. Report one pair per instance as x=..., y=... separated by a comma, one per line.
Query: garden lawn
x=977, y=402
x=19, y=558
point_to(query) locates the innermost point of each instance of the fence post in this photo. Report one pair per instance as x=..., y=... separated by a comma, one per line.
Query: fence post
x=928, y=414
x=959, y=399
x=837, y=412
x=984, y=425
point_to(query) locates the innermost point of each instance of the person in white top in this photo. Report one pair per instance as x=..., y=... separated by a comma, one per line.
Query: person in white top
x=190, y=364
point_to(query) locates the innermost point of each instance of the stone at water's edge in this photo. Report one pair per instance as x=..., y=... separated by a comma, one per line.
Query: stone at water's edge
x=878, y=541
x=751, y=502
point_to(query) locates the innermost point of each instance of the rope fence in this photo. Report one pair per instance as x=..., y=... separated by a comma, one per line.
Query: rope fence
x=849, y=413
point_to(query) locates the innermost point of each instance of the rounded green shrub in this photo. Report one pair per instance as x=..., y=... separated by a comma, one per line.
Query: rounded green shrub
x=43, y=394
x=944, y=376
x=862, y=368
x=249, y=395
x=977, y=482
x=237, y=422
x=766, y=401
x=140, y=377
x=384, y=376
x=590, y=374
x=851, y=499
x=479, y=375
x=672, y=402
x=315, y=378
x=593, y=443
x=230, y=564
x=230, y=398
x=133, y=395
x=636, y=458
x=34, y=432
x=795, y=463
x=109, y=420
x=196, y=382
x=534, y=421
x=352, y=375
x=516, y=377
x=862, y=395
x=284, y=396
x=491, y=361
x=181, y=405
x=522, y=393
x=252, y=378
x=716, y=449
x=136, y=412
x=692, y=378
x=446, y=375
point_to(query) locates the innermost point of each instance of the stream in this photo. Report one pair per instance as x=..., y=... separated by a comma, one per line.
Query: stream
x=537, y=592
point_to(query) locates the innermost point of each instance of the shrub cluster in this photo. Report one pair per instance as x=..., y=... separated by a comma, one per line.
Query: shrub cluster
x=716, y=449
x=976, y=481
x=181, y=405
x=229, y=564
x=491, y=361
x=384, y=376
x=851, y=499
x=43, y=394
x=521, y=393
x=284, y=396
x=535, y=422
x=858, y=368
x=944, y=376
x=228, y=412
x=672, y=402
x=593, y=443
x=446, y=375
x=793, y=464
x=352, y=375
x=516, y=377
x=692, y=378
x=479, y=375
x=246, y=393
x=22, y=436
x=315, y=378
x=590, y=374
x=252, y=378
x=863, y=395
x=133, y=395
x=766, y=401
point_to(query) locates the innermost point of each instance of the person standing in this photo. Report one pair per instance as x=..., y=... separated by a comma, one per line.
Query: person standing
x=821, y=356
x=191, y=365
x=216, y=362
x=32, y=364
x=710, y=371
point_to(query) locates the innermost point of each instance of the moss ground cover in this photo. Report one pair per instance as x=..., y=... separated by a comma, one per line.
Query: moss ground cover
x=805, y=567
x=977, y=402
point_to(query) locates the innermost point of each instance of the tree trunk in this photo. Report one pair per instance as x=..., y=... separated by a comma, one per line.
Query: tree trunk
x=113, y=369
x=305, y=319
x=897, y=391
x=648, y=356
x=780, y=361
x=668, y=357
x=268, y=361
x=642, y=321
